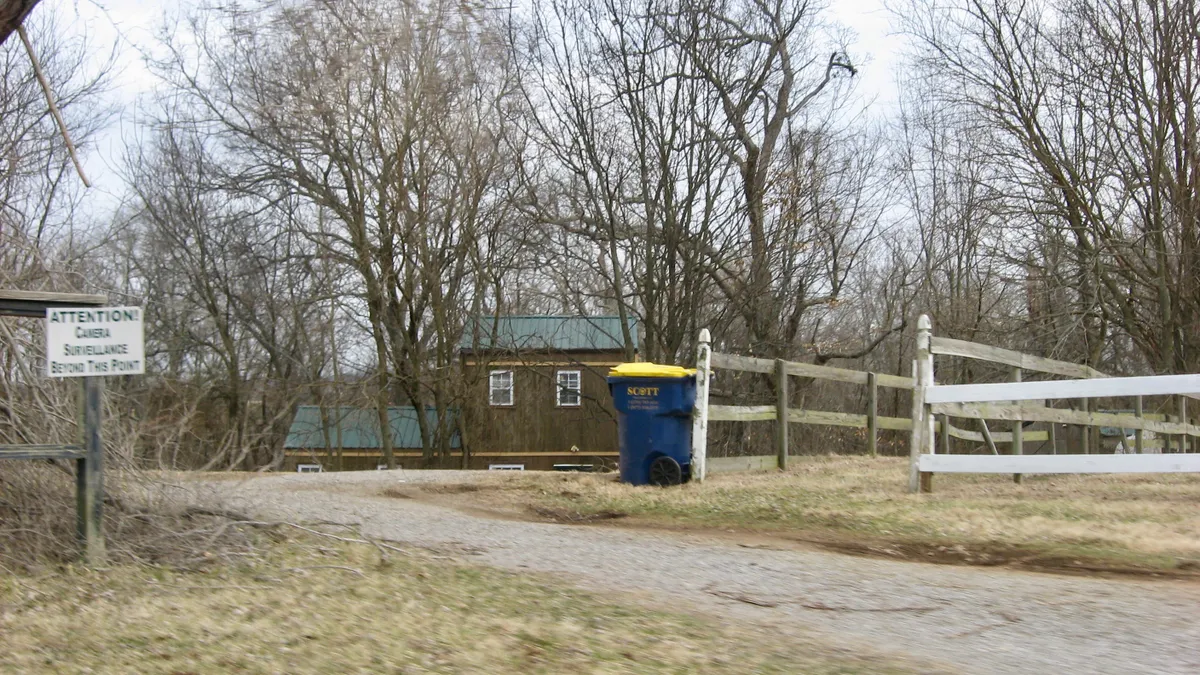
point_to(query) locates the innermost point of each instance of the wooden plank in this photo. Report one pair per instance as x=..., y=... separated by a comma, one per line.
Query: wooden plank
x=1085, y=435
x=894, y=381
x=747, y=364
x=546, y=364
x=1061, y=463
x=826, y=373
x=987, y=436
x=945, y=433
x=973, y=350
x=732, y=464
x=762, y=413
x=926, y=481
x=92, y=501
x=366, y=453
x=895, y=423
x=1139, y=436
x=872, y=415
x=65, y=299
x=1018, y=447
x=41, y=452
x=767, y=366
x=823, y=418
x=33, y=304
x=1010, y=412
x=781, y=415
x=997, y=436
x=1156, y=385
x=740, y=413
x=1183, y=419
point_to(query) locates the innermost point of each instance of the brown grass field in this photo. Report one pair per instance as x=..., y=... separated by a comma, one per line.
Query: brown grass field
x=310, y=605
x=1098, y=523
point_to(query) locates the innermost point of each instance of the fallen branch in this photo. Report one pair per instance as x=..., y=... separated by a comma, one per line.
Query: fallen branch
x=1008, y=621
x=202, y=588
x=841, y=608
x=380, y=546
x=729, y=595
x=327, y=567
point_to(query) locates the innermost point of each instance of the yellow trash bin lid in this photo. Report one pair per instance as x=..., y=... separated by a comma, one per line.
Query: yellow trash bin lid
x=650, y=370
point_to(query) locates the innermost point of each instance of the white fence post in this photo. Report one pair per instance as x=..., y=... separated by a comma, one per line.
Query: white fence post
x=922, y=421
x=700, y=415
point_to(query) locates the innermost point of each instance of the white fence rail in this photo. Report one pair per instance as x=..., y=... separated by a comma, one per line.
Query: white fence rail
x=1021, y=464
x=1002, y=401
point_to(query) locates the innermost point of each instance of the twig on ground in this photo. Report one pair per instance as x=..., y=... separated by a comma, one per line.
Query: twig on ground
x=380, y=546
x=1008, y=621
x=730, y=595
x=183, y=587
x=327, y=567
x=841, y=608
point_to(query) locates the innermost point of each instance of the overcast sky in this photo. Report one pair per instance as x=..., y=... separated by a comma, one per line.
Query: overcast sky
x=131, y=25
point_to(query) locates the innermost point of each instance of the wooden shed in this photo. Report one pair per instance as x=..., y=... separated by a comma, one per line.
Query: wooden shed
x=537, y=395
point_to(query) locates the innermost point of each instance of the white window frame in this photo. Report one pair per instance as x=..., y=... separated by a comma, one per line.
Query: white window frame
x=493, y=389
x=309, y=468
x=506, y=467
x=559, y=389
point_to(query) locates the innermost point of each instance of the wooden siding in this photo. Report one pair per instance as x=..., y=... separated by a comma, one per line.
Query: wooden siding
x=535, y=422
x=368, y=461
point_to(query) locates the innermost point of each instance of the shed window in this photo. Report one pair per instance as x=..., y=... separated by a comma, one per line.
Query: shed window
x=568, y=388
x=500, y=387
x=308, y=468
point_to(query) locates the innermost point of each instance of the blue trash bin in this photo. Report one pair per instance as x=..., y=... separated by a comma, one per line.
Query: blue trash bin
x=654, y=422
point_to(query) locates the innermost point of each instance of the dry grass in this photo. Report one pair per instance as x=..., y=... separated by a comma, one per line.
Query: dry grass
x=144, y=521
x=1142, y=520
x=311, y=605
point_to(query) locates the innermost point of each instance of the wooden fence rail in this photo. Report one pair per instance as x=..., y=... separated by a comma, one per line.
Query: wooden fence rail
x=781, y=371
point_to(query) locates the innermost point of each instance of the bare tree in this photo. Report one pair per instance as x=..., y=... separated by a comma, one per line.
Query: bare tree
x=387, y=119
x=1087, y=110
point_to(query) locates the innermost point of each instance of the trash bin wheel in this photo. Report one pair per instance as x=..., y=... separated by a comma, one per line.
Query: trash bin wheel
x=665, y=471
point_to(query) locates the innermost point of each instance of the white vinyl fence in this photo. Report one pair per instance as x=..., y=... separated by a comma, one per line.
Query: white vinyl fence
x=1018, y=402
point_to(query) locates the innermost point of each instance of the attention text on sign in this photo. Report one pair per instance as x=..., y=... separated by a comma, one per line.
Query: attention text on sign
x=88, y=341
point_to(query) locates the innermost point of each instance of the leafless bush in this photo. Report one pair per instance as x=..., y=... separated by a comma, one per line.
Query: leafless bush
x=145, y=522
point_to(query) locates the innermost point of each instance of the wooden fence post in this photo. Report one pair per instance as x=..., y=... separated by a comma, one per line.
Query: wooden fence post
x=872, y=415
x=700, y=414
x=1085, y=433
x=1138, y=434
x=1018, y=447
x=922, y=420
x=1183, y=419
x=89, y=474
x=781, y=412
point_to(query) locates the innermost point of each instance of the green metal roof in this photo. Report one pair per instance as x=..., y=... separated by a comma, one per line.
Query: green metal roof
x=360, y=428
x=552, y=333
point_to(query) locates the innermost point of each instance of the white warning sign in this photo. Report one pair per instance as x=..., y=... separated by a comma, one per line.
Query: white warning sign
x=89, y=341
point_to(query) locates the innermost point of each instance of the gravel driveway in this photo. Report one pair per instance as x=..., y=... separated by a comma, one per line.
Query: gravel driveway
x=972, y=620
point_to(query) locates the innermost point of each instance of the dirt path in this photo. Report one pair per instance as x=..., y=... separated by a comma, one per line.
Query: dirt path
x=970, y=619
